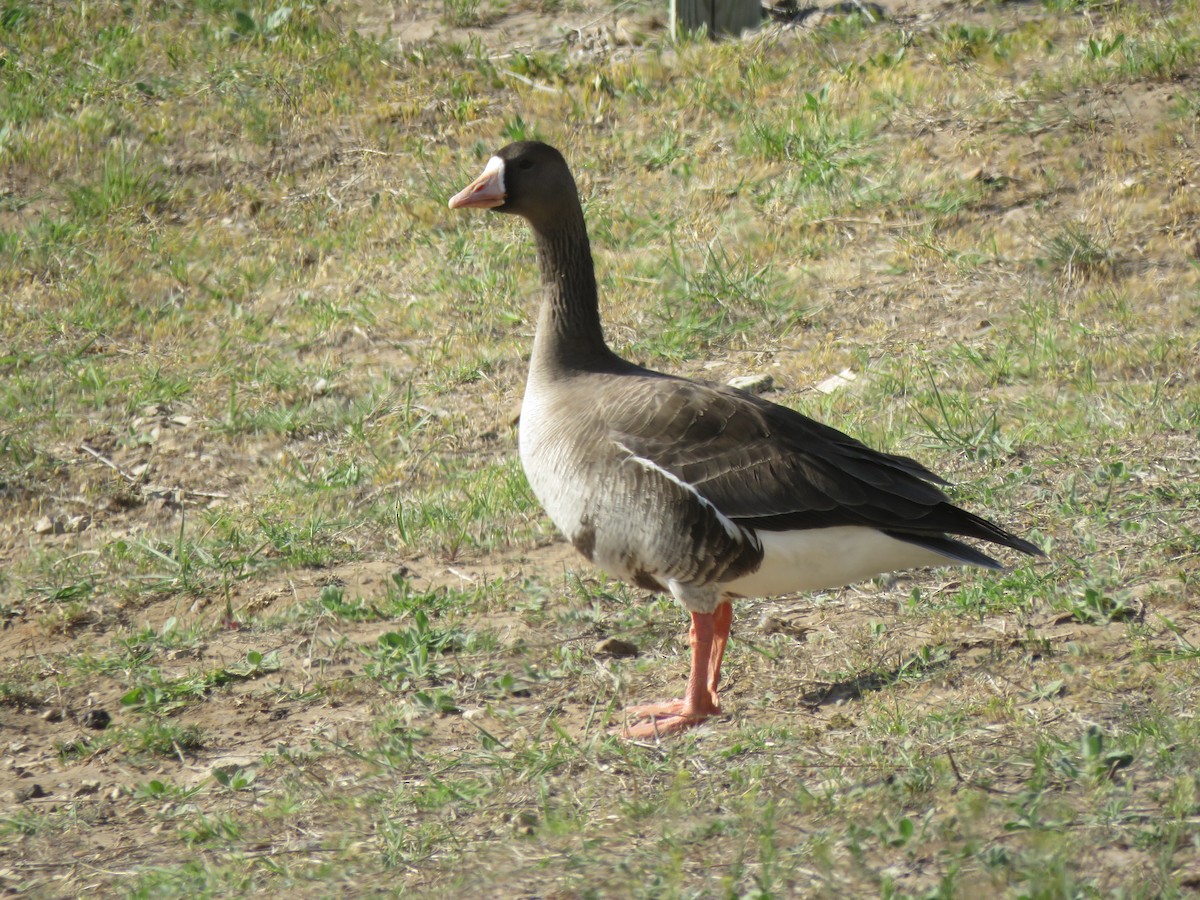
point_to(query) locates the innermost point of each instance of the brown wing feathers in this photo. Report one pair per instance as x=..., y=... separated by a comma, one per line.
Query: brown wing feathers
x=771, y=468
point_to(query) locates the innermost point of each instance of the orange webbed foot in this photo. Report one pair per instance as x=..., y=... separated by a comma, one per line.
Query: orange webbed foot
x=664, y=719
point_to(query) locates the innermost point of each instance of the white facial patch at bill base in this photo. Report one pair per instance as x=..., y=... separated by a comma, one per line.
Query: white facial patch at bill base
x=495, y=166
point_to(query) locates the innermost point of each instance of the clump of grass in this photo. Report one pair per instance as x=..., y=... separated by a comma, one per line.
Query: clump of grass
x=152, y=737
x=963, y=43
x=1076, y=251
x=465, y=13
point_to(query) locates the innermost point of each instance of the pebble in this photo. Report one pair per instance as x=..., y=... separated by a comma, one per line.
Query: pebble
x=23, y=792
x=752, y=384
x=525, y=822
x=87, y=787
x=835, y=382
x=614, y=647
x=95, y=718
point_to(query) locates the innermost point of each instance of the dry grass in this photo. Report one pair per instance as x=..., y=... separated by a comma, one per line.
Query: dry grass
x=262, y=507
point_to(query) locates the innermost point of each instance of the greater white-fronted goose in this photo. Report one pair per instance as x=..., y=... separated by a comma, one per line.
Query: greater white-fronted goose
x=697, y=489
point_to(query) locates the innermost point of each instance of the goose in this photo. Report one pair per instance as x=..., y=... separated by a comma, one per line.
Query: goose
x=701, y=490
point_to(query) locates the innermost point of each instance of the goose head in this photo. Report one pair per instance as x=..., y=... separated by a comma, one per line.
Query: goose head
x=529, y=179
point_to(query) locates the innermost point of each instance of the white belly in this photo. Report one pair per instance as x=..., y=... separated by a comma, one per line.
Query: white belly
x=822, y=558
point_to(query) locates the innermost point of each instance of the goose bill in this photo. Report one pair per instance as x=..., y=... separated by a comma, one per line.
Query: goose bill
x=486, y=191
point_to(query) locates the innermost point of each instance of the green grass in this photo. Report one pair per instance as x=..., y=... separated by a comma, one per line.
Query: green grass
x=300, y=568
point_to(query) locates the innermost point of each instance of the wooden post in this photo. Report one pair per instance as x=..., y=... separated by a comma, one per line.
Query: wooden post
x=717, y=16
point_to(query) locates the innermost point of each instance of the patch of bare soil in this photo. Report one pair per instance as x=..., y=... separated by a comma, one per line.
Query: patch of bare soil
x=590, y=27
x=241, y=722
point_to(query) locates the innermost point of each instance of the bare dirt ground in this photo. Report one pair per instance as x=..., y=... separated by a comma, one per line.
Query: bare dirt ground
x=252, y=716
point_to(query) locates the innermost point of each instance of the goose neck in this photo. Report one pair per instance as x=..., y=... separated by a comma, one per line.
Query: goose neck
x=569, y=333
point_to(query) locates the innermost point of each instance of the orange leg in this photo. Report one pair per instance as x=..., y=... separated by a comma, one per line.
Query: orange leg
x=722, y=621
x=709, y=635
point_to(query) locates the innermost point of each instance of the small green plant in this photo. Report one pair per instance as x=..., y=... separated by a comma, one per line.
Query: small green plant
x=332, y=600
x=1093, y=605
x=822, y=149
x=412, y=657
x=163, y=738
x=263, y=27
x=1098, y=48
x=217, y=829
x=234, y=778
x=156, y=790
x=436, y=700
x=899, y=832
x=1047, y=691
x=463, y=13
x=963, y=43
x=1100, y=760
x=158, y=695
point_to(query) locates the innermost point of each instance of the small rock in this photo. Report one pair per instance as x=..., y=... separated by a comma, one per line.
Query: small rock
x=614, y=647
x=752, y=384
x=834, y=382
x=525, y=822
x=53, y=714
x=23, y=792
x=95, y=718
x=771, y=624
x=45, y=525
x=87, y=787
